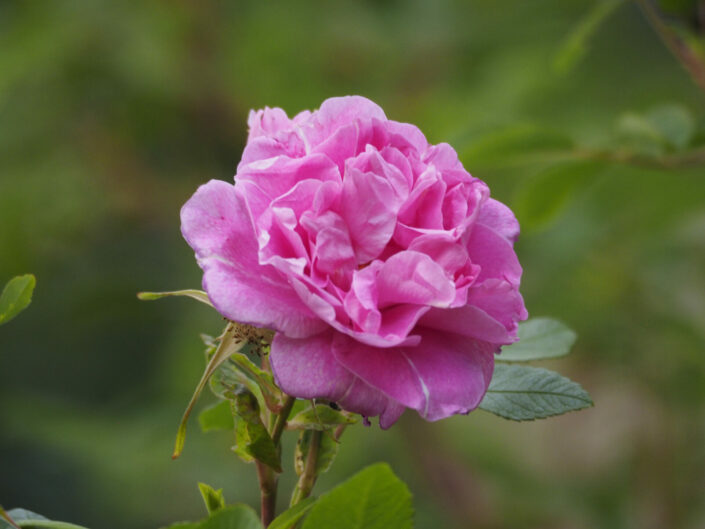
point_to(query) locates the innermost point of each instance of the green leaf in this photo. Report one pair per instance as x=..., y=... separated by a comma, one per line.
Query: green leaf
x=270, y=392
x=523, y=393
x=542, y=198
x=15, y=297
x=236, y=517
x=372, y=499
x=251, y=436
x=638, y=134
x=24, y=518
x=228, y=345
x=198, y=295
x=674, y=123
x=292, y=515
x=575, y=45
x=539, y=338
x=322, y=417
x=515, y=146
x=213, y=499
x=217, y=417
x=326, y=452
x=183, y=525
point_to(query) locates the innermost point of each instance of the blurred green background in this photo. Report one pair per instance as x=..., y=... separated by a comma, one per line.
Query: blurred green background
x=112, y=113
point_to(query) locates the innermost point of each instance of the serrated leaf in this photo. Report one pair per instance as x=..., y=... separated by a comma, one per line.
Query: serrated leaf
x=326, y=452
x=372, y=499
x=539, y=338
x=228, y=345
x=236, y=517
x=198, y=295
x=524, y=393
x=213, y=499
x=542, y=198
x=16, y=296
x=575, y=45
x=251, y=436
x=322, y=417
x=292, y=515
x=216, y=417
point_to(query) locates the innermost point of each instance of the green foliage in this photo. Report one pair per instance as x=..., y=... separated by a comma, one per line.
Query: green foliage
x=539, y=200
x=516, y=145
x=229, y=344
x=664, y=128
x=252, y=440
x=213, y=499
x=30, y=520
x=372, y=499
x=523, y=393
x=288, y=518
x=326, y=452
x=237, y=516
x=539, y=338
x=576, y=44
x=322, y=417
x=198, y=295
x=16, y=296
x=217, y=417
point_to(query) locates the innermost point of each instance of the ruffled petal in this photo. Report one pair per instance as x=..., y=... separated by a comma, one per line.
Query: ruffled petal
x=216, y=225
x=494, y=254
x=499, y=218
x=444, y=375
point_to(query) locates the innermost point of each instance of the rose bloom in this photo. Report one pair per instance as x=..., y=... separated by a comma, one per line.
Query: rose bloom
x=386, y=270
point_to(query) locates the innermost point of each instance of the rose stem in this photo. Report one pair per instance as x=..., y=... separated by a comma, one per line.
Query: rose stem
x=308, y=478
x=268, y=480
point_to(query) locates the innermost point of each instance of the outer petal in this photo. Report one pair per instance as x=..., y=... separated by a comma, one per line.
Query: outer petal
x=494, y=254
x=307, y=369
x=444, y=375
x=500, y=218
x=215, y=224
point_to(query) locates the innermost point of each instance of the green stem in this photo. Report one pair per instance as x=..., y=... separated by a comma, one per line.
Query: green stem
x=308, y=478
x=281, y=419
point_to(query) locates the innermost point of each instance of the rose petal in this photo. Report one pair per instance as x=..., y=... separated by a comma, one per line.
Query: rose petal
x=445, y=374
x=218, y=228
x=494, y=254
x=499, y=218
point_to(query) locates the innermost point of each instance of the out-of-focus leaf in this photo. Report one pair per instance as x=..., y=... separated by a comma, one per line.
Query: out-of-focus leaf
x=16, y=296
x=227, y=346
x=674, y=123
x=515, y=145
x=183, y=525
x=539, y=338
x=638, y=134
x=523, y=393
x=213, y=499
x=30, y=520
x=575, y=45
x=251, y=437
x=326, y=452
x=236, y=517
x=217, y=417
x=540, y=199
x=198, y=295
x=372, y=499
x=292, y=515
x=322, y=417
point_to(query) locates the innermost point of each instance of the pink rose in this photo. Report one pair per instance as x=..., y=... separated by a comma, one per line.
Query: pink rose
x=386, y=269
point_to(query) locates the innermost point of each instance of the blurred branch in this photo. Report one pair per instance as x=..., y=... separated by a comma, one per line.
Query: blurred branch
x=678, y=47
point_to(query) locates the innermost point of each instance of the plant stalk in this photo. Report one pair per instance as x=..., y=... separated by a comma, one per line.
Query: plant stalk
x=308, y=478
x=268, y=492
x=679, y=48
